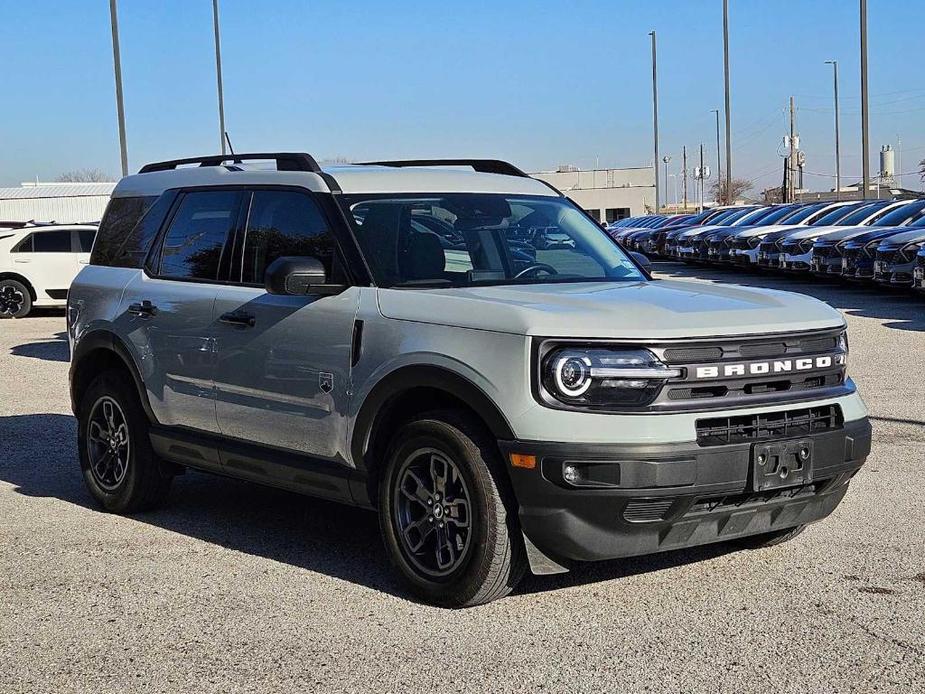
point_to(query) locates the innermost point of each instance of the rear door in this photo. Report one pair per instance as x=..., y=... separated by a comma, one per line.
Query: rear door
x=283, y=372
x=47, y=259
x=167, y=310
x=82, y=243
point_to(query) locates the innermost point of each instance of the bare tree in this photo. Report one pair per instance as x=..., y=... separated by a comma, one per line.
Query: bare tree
x=84, y=176
x=738, y=188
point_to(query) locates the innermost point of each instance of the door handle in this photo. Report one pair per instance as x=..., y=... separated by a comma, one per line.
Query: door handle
x=144, y=309
x=239, y=318
x=21, y=260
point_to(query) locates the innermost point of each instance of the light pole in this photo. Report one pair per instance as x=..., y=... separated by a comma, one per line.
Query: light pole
x=218, y=75
x=666, y=159
x=117, y=67
x=728, y=100
x=719, y=168
x=865, y=115
x=655, y=119
x=834, y=64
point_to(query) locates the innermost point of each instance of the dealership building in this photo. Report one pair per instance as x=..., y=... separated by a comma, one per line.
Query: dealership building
x=65, y=203
x=606, y=194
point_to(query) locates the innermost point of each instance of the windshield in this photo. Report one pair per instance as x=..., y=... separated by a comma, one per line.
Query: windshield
x=753, y=218
x=483, y=239
x=776, y=214
x=802, y=213
x=900, y=215
x=833, y=216
x=862, y=213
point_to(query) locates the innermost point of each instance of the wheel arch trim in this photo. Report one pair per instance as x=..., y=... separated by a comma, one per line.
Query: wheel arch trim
x=407, y=378
x=105, y=340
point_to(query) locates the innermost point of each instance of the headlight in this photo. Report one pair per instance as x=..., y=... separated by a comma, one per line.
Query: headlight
x=599, y=378
x=754, y=241
x=913, y=248
x=843, y=347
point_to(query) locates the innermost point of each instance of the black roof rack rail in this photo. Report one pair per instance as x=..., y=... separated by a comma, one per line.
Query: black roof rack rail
x=491, y=166
x=285, y=161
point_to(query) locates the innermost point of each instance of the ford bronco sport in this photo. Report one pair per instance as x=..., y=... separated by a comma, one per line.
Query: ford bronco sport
x=458, y=346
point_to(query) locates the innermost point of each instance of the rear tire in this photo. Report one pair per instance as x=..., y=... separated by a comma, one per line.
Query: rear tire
x=15, y=299
x=447, y=514
x=119, y=466
x=771, y=539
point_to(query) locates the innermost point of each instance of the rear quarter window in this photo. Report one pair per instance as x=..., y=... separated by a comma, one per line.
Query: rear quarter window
x=117, y=244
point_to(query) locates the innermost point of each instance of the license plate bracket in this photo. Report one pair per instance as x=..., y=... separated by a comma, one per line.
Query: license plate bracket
x=782, y=464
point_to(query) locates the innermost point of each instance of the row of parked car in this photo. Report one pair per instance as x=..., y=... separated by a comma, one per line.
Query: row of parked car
x=880, y=241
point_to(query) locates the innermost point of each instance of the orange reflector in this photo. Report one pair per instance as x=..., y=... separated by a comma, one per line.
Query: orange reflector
x=525, y=461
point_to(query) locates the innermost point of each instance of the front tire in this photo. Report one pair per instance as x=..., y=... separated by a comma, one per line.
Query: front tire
x=15, y=299
x=447, y=514
x=119, y=466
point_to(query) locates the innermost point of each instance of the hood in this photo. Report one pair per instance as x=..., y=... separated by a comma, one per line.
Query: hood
x=778, y=229
x=697, y=231
x=874, y=235
x=845, y=233
x=901, y=239
x=660, y=309
x=812, y=232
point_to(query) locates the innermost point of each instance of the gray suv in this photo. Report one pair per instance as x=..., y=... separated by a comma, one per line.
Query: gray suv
x=459, y=347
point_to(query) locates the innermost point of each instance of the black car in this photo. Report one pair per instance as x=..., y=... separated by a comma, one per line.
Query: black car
x=895, y=260
x=838, y=254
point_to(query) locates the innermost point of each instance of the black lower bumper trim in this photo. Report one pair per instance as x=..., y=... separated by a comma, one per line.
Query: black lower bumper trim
x=653, y=498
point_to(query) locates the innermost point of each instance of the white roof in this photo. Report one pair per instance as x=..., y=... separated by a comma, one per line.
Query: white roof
x=350, y=178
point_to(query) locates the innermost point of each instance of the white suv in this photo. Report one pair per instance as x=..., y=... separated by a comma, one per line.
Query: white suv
x=38, y=264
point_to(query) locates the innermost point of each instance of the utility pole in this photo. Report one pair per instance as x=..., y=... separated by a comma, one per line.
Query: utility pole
x=117, y=67
x=701, y=175
x=728, y=100
x=719, y=168
x=655, y=120
x=865, y=115
x=666, y=159
x=834, y=64
x=218, y=75
x=791, y=158
x=684, y=173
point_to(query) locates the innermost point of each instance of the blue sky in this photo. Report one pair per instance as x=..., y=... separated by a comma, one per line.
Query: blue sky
x=538, y=83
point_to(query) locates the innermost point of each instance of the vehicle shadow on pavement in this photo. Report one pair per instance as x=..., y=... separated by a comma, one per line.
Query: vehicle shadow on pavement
x=38, y=457
x=51, y=350
x=897, y=309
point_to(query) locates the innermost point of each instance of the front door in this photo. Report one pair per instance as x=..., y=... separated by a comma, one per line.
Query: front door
x=282, y=378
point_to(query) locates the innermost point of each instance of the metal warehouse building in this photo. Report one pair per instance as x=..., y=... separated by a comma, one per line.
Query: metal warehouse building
x=55, y=202
x=606, y=194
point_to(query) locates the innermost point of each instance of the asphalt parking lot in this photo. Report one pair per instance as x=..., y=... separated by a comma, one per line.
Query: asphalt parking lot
x=232, y=587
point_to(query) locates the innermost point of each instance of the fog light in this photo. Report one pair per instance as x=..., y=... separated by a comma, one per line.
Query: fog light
x=571, y=474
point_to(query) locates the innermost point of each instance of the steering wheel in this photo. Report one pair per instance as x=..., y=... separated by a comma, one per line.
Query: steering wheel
x=536, y=267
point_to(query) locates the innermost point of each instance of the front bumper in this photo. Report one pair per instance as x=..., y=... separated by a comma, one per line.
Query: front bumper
x=898, y=274
x=918, y=277
x=796, y=262
x=671, y=496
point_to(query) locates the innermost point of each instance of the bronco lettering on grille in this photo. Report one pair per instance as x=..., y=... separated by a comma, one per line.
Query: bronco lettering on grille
x=777, y=366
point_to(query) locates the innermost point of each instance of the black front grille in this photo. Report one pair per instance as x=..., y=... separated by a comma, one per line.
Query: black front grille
x=887, y=256
x=720, y=431
x=647, y=510
x=676, y=355
x=823, y=251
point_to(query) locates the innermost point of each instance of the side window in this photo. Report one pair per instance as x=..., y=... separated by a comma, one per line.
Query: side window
x=120, y=218
x=85, y=240
x=51, y=241
x=284, y=223
x=24, y=246
x=197, y=237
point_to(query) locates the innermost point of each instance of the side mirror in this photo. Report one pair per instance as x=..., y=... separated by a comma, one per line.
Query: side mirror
x=298, y=276
x=643, y=260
